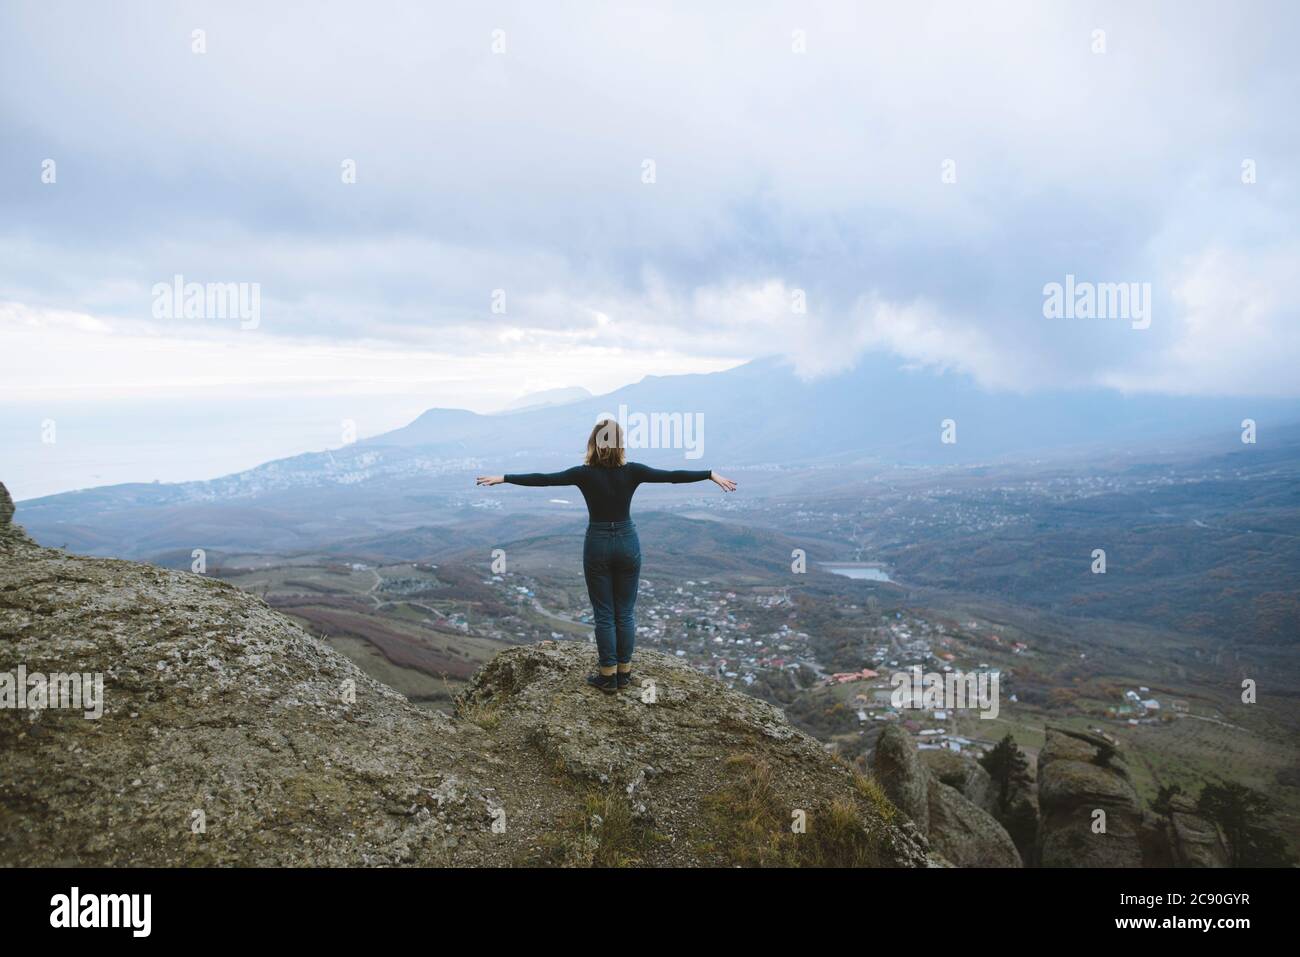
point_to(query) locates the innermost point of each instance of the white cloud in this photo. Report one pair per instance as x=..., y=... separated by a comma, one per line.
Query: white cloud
x=1235, y=328
x=776, y=171
x=54, y=355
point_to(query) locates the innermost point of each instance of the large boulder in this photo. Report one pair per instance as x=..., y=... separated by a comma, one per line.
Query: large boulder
x=965, y=834
x=6, y=507
x=960, y=832
x=962, y=773
x=1079, y=775
x=12, y=538
x=900, y=772
x=1183, y=838
x=687, y=753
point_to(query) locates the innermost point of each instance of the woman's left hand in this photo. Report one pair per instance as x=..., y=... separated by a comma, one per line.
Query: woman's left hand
x=489, y=480
x=724, y=483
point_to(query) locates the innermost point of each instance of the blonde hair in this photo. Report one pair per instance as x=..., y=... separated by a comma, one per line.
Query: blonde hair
x=605, y=445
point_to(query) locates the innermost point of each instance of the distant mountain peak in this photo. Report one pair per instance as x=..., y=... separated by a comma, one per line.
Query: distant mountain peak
x=547, y=398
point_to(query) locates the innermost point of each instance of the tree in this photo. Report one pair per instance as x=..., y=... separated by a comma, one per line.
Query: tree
x=1239, y=810
x=1005, y=764
x=1162, y=805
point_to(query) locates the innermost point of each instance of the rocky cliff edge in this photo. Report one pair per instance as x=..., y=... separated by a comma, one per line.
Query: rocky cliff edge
x=229, y=736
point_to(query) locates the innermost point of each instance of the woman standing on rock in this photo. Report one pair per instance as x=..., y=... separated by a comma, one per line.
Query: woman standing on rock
x=611, y=554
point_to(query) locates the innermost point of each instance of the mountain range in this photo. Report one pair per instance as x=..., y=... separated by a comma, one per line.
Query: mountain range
x=759, y=418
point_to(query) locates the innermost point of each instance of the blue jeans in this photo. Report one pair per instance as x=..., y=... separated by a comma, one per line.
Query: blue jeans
x=611, y=562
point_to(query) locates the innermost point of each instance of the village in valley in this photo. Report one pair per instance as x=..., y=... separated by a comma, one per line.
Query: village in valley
x=751, y=639
x=832, y=656
x=762, y=639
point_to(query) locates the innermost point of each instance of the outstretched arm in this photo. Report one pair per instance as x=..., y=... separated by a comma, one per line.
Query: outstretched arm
x=646, y=474
x=567, y=477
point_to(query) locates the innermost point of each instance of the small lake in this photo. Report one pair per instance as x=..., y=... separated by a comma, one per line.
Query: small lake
x=872, y=573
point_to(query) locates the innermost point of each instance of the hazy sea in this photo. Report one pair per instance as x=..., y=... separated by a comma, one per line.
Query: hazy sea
x=105, y=443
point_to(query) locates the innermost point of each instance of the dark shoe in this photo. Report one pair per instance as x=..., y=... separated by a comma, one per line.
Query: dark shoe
x=624, y=679
x=606, y=683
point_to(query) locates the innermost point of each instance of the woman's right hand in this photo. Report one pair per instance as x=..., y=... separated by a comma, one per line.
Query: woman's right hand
x=489, y=480
x=724, y=483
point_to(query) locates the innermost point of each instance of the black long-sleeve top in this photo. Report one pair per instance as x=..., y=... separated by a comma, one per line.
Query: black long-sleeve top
x=608, y=491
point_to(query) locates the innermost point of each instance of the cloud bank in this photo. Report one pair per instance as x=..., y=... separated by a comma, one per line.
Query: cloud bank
x=650, y=187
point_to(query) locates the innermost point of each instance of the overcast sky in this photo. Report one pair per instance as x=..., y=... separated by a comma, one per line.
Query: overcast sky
x=516, y=161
